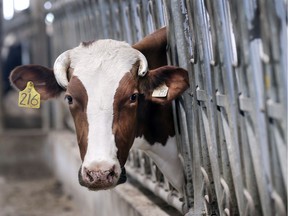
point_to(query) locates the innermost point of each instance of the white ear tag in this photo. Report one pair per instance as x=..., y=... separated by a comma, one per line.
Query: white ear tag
x=161, y=91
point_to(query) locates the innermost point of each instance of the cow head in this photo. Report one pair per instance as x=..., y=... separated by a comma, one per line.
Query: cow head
x=107, y=86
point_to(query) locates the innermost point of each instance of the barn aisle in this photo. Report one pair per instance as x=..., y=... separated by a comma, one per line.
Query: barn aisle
x=27, y=187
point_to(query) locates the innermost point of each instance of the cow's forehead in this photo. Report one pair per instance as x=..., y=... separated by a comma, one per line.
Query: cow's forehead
x=104, y=58
x=100, y=66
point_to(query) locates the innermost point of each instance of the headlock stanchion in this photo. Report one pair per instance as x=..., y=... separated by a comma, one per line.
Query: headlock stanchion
x=231, y=123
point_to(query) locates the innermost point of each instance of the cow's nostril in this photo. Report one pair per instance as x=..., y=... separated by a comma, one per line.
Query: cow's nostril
x=111, y=174
x=89, y=175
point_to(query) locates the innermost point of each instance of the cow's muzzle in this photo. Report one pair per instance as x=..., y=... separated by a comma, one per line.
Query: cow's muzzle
x=101, y=180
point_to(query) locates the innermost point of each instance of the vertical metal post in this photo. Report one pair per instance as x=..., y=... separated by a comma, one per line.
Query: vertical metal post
x=40, y=48
x=176, y=33
x=1, y=72
x=39, y=45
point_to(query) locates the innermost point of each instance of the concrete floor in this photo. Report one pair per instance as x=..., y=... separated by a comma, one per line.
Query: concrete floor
x=27, y=187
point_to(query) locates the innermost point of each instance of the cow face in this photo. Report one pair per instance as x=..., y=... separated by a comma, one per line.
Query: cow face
x=106, y=88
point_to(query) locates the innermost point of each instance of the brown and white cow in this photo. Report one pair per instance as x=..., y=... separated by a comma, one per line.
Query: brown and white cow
x=108, y=86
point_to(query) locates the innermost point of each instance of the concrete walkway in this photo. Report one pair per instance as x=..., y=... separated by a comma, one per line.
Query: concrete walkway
x=38, y=177
x=27, y=187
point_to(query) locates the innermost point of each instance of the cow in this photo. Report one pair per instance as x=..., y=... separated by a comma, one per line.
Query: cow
x=108, y=87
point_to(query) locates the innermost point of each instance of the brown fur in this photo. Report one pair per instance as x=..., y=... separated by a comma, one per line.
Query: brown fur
x=87, y=43
x=78, y=92
x=124, y=116
x=42, y=77
x=148, y=117
x=153, y=48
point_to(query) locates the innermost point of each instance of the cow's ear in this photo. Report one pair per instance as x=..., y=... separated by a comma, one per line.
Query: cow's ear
x=42, y=77
x=172, y=81
x=153, y=47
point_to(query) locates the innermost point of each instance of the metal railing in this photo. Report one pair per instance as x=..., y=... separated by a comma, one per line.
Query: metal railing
x=232, y=123
x=233, y=119
x=235, y=113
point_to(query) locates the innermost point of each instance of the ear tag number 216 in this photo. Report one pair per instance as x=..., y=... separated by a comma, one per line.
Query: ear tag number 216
x=29, y=97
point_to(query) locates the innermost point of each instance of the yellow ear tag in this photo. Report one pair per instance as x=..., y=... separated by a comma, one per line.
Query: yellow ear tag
x=29, y=97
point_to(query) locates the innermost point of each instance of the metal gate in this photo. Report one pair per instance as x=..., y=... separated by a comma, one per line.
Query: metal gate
x=232, y=122
x=234, y=117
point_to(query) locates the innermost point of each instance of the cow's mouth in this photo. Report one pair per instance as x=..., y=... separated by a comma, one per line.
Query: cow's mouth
x=102, y=185
x=122, y=179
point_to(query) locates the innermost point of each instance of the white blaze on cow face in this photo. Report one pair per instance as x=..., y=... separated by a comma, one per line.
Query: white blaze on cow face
x=100, y=66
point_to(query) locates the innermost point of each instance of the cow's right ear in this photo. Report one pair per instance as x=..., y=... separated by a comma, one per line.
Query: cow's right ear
x=42, y=77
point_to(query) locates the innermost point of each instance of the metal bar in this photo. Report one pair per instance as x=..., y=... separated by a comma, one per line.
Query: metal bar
x=156, y=189
x=208, y=116
x=245, y=104
x=230, y=126
x=275, y=110
x=1, y=73
x=177, y=16
x=282, y=153
x=221, y=100
x=201, y=95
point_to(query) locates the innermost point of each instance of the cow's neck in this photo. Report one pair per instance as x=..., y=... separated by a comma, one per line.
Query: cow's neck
x=155, y=122
x=166, y=158
x=157, y=139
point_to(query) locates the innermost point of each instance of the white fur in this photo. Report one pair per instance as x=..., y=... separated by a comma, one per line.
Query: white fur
x=166, y=158
x=100, y=67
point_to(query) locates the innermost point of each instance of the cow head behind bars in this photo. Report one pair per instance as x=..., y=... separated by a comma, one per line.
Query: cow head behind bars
x=108, y=87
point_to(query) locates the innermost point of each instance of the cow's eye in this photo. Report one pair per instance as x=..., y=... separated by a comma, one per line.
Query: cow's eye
x=69, y=99
x=133, y=97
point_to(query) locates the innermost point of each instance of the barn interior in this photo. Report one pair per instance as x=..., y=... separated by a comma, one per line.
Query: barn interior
x=231, y=124
x=38, y=170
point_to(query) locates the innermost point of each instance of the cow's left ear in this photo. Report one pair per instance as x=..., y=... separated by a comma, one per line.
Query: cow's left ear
x=164, y=84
